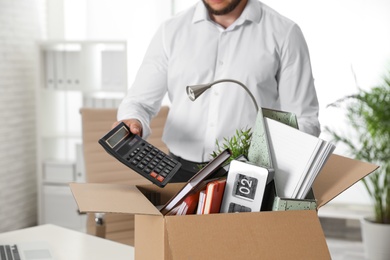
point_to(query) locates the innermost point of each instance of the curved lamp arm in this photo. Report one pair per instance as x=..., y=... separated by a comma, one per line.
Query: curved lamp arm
x=195, y=91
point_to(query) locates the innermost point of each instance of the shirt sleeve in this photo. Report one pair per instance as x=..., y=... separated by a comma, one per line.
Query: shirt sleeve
x=296, y=84
x=144, y=97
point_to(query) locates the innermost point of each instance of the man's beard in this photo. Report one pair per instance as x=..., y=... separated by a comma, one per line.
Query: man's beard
x=224, y=11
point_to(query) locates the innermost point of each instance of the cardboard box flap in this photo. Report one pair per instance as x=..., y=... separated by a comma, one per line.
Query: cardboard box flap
x=111, y=198
x=265, y=235
x=338, y=174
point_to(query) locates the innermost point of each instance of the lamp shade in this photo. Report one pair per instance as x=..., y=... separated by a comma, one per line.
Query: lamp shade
x=195, y=91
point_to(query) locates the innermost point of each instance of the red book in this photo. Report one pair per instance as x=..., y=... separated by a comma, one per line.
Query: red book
x=189, y=204
x=214, y=195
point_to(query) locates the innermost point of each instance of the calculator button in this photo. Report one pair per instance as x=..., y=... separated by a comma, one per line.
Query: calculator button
x=160, y=178
x=147, y=170
x=145, y=162
x=169, y=162
x=153, y=174
x=153, y=163
x=135, y=162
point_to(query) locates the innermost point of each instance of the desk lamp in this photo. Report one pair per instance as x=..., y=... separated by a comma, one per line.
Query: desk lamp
x=258, y=152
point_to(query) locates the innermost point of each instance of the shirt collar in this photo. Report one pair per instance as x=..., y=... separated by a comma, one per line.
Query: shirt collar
x=251, y=13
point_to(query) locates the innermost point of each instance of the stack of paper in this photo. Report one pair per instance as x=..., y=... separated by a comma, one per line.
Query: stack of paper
x=297, y=158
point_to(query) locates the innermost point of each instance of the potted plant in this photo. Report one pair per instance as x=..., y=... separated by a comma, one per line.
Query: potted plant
x=238, y=144
x=368, y=116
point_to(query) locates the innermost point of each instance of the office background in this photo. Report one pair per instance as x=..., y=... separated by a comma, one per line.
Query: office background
x=346, y=38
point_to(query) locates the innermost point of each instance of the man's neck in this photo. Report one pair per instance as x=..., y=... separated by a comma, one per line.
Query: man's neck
x=226, y=20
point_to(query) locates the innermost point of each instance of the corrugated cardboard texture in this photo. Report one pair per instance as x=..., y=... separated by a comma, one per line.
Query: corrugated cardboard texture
x=111, y=198
x=266, y=235
x=149, y=237
x=338, y=174
x=164, y=194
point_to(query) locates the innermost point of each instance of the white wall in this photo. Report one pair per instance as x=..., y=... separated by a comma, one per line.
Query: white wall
x=20, y=27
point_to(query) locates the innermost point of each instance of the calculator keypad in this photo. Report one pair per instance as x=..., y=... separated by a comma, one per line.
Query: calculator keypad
x=139, y=155
x=151, y=161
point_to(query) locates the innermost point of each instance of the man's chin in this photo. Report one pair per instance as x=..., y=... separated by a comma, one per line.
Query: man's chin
x=222, y=10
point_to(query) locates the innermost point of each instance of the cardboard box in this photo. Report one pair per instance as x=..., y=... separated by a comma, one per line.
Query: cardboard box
x=293, y=234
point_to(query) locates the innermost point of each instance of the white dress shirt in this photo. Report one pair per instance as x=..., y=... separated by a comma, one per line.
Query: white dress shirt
x=262, y=49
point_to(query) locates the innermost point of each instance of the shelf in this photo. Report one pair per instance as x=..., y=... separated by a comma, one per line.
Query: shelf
x=72, y=75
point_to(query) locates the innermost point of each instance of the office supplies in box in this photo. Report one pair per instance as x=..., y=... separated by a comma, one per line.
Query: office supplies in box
x=283, y=204
x=225, y=235
x=245, y=187
x=274, y=202
x=293, y=204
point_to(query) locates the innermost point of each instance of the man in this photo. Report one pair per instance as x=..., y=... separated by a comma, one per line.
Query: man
x=243, y=40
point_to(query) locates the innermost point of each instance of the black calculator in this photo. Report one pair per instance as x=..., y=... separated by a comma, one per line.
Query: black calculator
x=139, y=155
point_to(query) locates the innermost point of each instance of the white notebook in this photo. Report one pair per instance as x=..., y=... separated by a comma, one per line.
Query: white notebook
x=297, y=158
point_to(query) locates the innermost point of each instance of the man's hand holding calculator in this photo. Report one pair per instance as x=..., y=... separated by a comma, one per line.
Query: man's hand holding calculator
x=134, y=125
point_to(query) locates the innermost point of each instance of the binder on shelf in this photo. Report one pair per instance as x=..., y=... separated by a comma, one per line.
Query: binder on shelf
x=59, y=66
x=72, y=69
x=50, y=74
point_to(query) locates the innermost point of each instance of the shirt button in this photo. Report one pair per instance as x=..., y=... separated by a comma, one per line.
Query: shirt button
x=220, y=62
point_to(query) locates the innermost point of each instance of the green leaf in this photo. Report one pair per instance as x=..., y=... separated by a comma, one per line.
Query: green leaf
x=368, y=115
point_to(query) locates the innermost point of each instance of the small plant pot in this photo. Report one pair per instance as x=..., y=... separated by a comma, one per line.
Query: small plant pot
x=376, y=239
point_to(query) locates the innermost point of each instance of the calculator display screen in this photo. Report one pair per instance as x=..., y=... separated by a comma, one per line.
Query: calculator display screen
x=118, y=136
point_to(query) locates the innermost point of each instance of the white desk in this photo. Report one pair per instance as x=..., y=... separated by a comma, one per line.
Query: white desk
x=69, y=244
